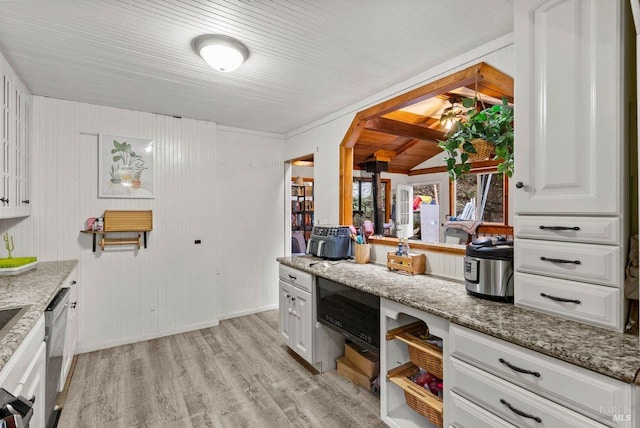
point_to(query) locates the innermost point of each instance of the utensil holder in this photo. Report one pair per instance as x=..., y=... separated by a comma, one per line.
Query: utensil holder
x=362, y=253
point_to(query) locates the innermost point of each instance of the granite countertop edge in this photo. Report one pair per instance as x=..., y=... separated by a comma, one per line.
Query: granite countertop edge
x=616, y=355
x=35, y=288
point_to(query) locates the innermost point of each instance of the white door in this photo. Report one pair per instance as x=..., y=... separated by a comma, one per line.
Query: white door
x=569, y=121
x=301, y=316
x=285, y=310
x=404, y=211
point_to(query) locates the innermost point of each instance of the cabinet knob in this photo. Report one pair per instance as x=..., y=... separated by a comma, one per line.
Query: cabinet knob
x=519, y=185
x=290, y=310
x=3, y=200
x=294, y=313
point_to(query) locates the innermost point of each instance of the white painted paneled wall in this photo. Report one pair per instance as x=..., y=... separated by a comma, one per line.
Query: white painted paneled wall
x=222, y=186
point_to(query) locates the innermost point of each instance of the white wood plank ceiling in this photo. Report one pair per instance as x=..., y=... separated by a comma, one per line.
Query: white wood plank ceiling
x=308, y=58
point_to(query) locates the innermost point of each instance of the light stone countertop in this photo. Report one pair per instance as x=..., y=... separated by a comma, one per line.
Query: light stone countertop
x=613, y=354
x=36, y=288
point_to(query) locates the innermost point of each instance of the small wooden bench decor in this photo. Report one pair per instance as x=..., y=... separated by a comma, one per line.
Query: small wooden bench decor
x=124, y=221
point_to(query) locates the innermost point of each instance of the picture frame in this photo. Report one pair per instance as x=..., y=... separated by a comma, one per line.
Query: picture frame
x=125, y=167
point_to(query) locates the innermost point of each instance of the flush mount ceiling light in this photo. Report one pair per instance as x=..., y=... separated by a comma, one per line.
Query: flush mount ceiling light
x=222, y=53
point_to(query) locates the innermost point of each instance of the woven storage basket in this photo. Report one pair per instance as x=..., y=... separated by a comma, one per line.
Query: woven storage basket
x=423, y=408
x=485, y=150
x=417, y=397
x=430, y=363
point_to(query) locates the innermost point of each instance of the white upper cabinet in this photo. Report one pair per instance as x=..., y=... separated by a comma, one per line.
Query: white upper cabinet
x=15, y=162
x=569, y=116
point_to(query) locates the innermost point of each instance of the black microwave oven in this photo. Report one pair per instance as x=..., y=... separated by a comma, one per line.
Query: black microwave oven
x=353, y=313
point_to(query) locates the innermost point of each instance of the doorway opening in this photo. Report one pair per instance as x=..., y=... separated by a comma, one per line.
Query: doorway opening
x=299, y=212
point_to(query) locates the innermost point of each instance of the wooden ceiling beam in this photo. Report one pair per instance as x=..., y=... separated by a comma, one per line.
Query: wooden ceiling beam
x=403, y=129
x=435, y=169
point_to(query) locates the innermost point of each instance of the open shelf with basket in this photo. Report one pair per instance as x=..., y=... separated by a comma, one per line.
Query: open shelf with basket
x=412, y=357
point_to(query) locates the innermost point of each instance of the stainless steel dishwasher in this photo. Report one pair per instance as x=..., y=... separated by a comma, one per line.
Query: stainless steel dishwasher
x=55, y=317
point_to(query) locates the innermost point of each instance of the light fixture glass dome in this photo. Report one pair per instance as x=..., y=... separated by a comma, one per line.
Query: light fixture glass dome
x=222, y=53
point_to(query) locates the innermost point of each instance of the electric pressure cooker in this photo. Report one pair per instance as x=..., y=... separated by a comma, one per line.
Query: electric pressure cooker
x=488, y=269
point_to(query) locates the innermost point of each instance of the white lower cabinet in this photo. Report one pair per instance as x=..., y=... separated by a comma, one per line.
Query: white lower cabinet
x=529, y=389
x=71, y=335
x=295, y=319
x=315, y=343
x=25, y=372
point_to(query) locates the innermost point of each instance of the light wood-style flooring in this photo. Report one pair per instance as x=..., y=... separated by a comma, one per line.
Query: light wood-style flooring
x=238, y=374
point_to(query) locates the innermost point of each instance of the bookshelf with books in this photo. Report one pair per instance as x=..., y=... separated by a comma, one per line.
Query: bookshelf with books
x=302, y=207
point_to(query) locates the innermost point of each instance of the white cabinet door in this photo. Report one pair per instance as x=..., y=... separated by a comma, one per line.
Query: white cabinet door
x=15, y=168
x=71, y=336
x=32, y=385
x=303, y=336
x=569, y=111
x=285, y=294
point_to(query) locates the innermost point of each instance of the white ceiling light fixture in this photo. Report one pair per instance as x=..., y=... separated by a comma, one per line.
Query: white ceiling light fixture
x=222, y=53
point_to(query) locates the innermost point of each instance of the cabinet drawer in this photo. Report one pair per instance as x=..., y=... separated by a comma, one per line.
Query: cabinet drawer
x=594, y=230
x=296, y=277
x=464, y=414
x=597, y=305
x=577, y=388
x=505, y=400
x=598, y=264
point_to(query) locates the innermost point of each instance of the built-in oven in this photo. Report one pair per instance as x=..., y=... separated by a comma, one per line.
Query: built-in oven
x=349, y=311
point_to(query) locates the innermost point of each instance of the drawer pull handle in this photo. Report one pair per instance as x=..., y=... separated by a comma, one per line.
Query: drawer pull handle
x=518, y=369
x=520, y=412
x=547, y=259
x=561, y=299
x=292, y=277
x=559, y=228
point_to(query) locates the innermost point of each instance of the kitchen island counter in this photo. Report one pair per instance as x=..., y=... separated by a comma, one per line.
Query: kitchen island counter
x=35, y=288
x=613, y=354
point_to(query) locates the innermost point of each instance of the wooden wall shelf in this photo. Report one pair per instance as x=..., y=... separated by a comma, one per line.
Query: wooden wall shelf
x=123, y=222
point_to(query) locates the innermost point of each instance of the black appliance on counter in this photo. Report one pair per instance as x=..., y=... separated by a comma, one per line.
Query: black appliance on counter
x=330, y=242
x=488, y=269
x=353, y=313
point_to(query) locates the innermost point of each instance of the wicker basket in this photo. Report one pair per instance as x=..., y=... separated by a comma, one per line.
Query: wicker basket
x=421, y=353
x=431, y=362
x=423, y=408
x=417, y=397
x=484, y=150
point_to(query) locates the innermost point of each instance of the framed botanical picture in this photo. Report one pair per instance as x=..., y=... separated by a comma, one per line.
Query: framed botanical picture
x=125, y=167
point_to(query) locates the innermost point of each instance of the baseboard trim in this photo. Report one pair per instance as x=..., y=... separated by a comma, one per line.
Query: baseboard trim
x=129, y=340
x=247, y=312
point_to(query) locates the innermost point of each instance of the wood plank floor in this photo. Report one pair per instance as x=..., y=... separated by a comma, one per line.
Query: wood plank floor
x=238, y=374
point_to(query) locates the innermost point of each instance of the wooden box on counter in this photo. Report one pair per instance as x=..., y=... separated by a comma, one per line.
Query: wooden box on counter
x=413, y=263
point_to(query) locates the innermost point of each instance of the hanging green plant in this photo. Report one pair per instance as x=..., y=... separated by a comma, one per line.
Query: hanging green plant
x=492, y=125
